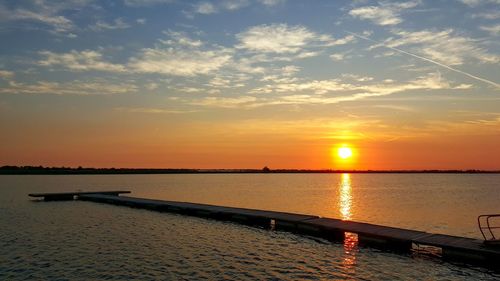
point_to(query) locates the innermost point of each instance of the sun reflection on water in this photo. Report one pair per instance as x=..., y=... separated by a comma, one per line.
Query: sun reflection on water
x=345, y=197
x=350, y=239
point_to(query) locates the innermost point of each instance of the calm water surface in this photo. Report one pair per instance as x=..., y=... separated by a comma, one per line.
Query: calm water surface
x=84, y=240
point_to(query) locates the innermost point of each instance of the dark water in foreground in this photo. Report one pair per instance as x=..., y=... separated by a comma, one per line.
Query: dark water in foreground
x=89, y=241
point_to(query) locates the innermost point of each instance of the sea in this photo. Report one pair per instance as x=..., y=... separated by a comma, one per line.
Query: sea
x=76, y=240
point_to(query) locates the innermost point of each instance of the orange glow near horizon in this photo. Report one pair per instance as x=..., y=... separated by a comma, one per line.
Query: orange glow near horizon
x=207, y=146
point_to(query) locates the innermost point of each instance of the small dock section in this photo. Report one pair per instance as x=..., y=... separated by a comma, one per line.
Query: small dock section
x=61, y=196
x=451, y=248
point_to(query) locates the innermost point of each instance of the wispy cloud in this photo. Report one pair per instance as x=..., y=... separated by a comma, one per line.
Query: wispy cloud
x=58, y=23
x=271, y=3
x=429, y=60
x=44, y=12
x=180, y=39
x=234, y=4
x=443, y=46
x=494, y=30
x=282, y=38
x=205, y=8
x=330, y=91
x=340, y=56
x=489, y=15
x=213, y=7
x=386, y=13
x=180, y=56
x=276, y=38
x=79, y=61
x=141, y=3
x=77, y=87
x=225, y=82
x=150, y=110
x=116, y=24
x=5, y=74
x=322, y=87
x=474, y=3
x=180, y=62
x=225, y=102
x=341, y=41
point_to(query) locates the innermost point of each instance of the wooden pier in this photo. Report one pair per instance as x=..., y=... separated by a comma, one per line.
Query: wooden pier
x=60, y=196
x=450, y=248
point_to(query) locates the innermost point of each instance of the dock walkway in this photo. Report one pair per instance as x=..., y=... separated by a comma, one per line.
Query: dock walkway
x=60, y=196
x=451, y=248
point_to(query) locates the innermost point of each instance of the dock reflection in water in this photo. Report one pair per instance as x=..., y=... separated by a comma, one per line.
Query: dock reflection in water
x=350, y=239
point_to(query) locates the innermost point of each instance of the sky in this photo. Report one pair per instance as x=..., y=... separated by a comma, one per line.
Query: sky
x=250, y=83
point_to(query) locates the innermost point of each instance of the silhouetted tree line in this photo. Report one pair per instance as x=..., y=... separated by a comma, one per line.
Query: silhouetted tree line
x=40, y=170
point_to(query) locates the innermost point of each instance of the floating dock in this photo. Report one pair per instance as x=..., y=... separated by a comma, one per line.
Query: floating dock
x=450, y=248
x=60, y=196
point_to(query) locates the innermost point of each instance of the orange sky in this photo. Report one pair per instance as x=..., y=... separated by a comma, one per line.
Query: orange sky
x=243, y=144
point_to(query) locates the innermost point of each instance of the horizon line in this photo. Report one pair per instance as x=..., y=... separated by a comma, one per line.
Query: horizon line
x=13, y=169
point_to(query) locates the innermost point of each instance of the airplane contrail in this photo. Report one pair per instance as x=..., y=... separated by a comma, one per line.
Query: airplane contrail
x=426, y=59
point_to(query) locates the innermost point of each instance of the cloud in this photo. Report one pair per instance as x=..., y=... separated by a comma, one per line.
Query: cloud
x=281, y=90
x=285, y=74
x=219, y=82
x=489, y=15
x=234, y=4
x=79, y=61
x=180, y=56
x=289, y=70
x=225, y=102
x=356, y=77
x=142, y=3
x=116, y=24
x=494, y=30
x=179, y=62
x=226, y=82
x=340, y=56
x=319, y=91
x=152, y=86
x=179, y=38
x=150, y=110
x=58, y=23
x=44, y=12
x=342, y=41
x=337, y=57
x=271, y=3
x=442, y=46
x=386, y=13
x=191, y=89
x=474, y=3
x=205, y=8
x=380, y=44
x=213, y=7
x=141, y=21
x=77, y=87
x=5, y=74
x=280, y=38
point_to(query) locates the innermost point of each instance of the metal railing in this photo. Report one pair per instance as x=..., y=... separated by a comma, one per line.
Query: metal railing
x=486, y=227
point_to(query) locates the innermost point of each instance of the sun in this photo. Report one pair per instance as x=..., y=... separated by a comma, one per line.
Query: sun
x=344, y=152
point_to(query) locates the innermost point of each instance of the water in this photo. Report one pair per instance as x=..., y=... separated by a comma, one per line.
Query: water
x=84, y=240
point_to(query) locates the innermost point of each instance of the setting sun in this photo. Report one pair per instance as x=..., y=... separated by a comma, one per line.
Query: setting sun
x=344, y=152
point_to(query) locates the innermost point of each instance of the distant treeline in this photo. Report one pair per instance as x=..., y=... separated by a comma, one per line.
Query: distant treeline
x=40, y=170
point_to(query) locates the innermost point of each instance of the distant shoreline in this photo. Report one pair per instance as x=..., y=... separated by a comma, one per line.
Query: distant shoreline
x=39, y=170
